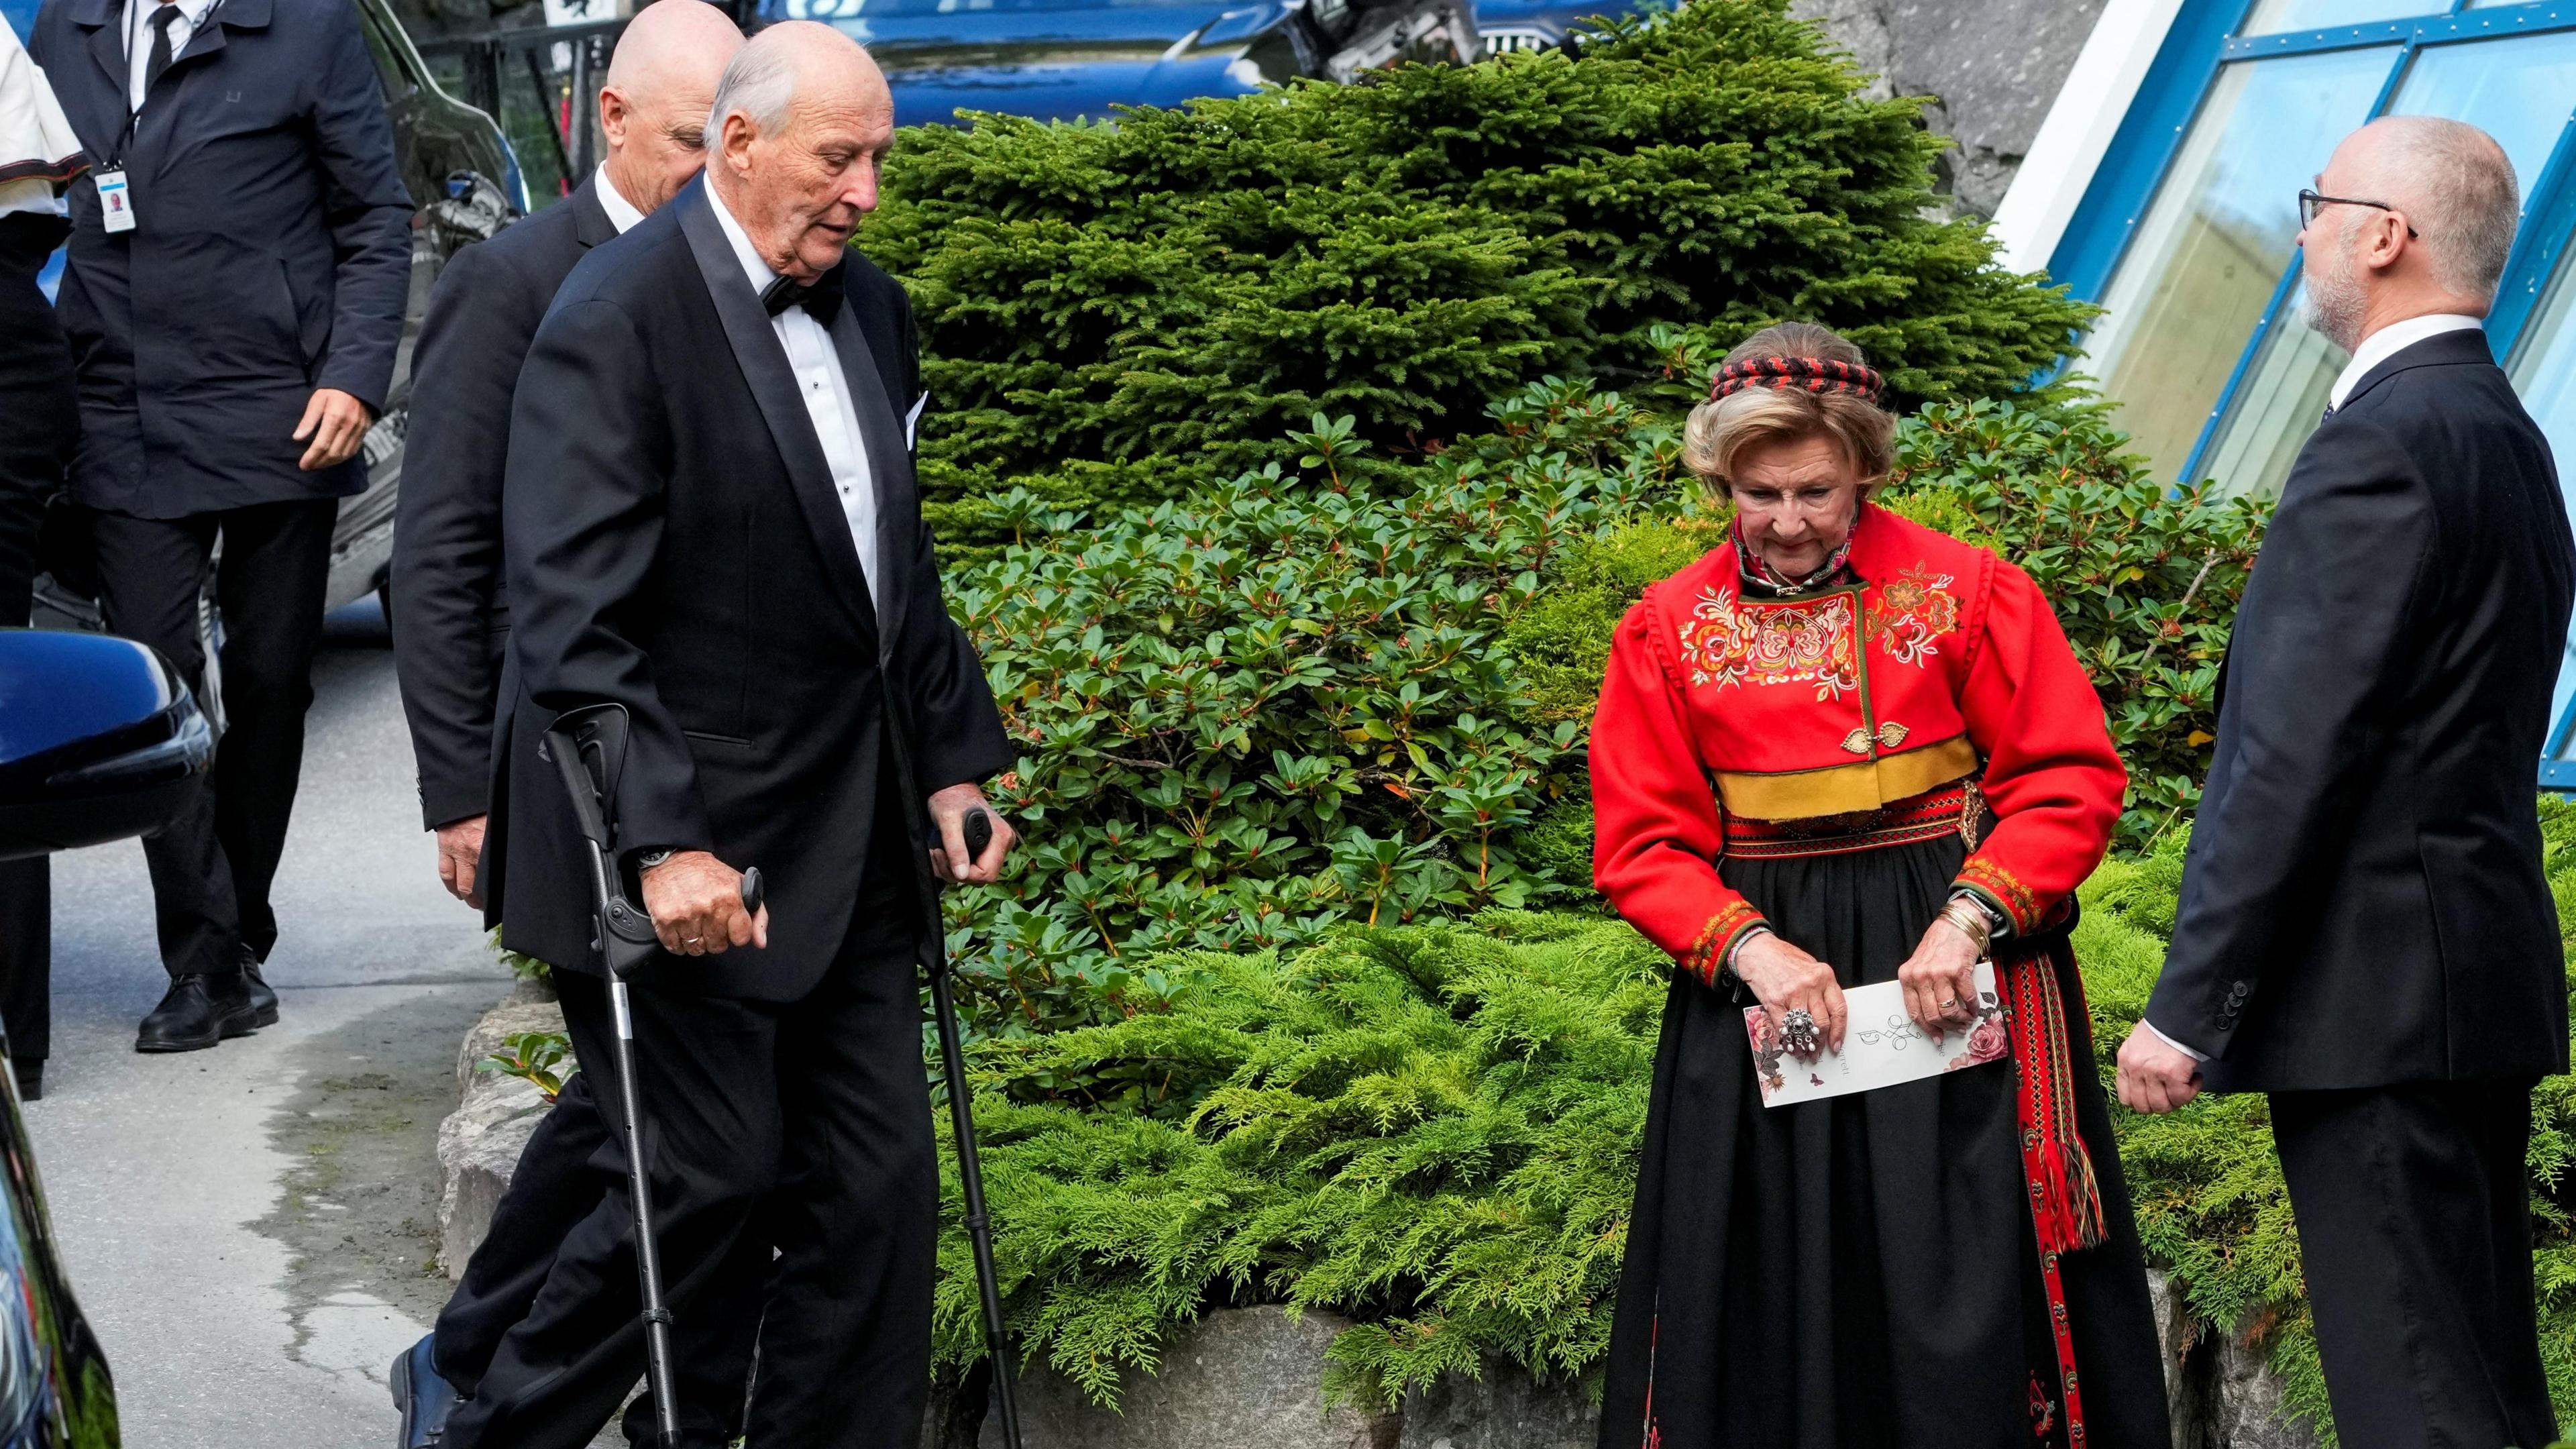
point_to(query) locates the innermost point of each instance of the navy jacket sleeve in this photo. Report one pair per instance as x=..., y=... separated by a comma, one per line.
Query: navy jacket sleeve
x=2324, y=629
x=369, y=216
x=446, y=583
x=583, y=510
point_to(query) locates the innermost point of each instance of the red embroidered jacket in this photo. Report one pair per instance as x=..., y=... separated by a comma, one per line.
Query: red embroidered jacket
x=1943, y=660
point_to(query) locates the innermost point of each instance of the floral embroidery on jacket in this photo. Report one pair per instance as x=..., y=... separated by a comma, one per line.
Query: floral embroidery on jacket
x=1707, y=955
x=1806, y=641
x=1914, y=608
x=2003, y=888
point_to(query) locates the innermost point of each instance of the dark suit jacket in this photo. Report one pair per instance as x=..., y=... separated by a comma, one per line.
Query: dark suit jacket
x=451, y=614
x=675, y=545
x=2363, y=903
x=271, y=253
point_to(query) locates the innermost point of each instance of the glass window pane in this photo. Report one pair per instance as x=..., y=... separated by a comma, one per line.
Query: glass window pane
x=2273, y=16
x=2520, y=91
x=2544, y=371
x=2207, y=256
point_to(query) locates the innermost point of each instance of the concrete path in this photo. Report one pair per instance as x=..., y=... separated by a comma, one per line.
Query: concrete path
x=244, y=1226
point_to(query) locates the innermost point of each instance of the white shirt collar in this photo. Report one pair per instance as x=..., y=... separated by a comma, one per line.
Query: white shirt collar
x=138, y=35
x=752, y=265
x=622, y=213
x=2390, y=340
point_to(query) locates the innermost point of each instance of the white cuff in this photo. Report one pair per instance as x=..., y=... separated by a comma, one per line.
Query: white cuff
x=2169, y=1041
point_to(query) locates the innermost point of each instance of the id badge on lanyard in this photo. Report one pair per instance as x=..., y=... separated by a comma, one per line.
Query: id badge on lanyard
x=115, y=200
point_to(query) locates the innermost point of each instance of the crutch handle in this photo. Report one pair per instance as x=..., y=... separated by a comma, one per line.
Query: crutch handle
x=979, y=832
x=755, y=892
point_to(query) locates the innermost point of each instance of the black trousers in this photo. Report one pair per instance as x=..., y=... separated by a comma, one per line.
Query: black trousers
x=806, y=1125
x=555, y=1185
x=212, y=866
x=37, y=430
x=562, y=1177
x=2415, y=1222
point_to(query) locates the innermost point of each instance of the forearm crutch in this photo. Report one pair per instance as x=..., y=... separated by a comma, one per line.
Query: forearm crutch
x=589, y=747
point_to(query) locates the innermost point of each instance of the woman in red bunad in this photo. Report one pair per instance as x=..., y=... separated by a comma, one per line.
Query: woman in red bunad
x=1844, y=749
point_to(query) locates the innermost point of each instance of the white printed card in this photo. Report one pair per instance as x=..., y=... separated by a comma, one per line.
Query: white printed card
x=1881, y=1048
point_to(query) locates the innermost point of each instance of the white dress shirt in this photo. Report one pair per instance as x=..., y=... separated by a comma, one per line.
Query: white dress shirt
x=817, y=366
x=622, y=213
x=2387, y=342
x=138, y=38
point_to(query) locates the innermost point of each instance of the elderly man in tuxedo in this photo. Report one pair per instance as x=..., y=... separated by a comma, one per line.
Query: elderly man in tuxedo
x=710, y=520
x=2364, y=930
x=451, y=644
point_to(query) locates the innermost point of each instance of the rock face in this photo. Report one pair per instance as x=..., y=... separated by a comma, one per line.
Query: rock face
x=2223, y=1393
x=480, y=1142
x=1246, y=1378
x=1506, y=1409
x=1991, y=67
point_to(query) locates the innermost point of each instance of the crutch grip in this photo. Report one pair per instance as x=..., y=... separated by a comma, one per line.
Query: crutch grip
x=755, y=892
x=979, y=832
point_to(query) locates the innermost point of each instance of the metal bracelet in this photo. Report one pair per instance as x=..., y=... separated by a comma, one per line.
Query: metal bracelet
x=1971, y=921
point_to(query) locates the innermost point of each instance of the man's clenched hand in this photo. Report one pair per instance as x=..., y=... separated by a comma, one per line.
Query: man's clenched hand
x=2154, y=1077
x=695, y=901
x=460, y=850
x=949, y=860
x=336, y=423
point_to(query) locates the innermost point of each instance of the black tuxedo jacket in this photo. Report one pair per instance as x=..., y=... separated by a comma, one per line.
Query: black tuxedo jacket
x=451, y=614
x=675, y=545
x=2363, y=903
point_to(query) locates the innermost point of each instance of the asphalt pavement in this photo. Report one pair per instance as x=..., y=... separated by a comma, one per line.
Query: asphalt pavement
x=248, y=1228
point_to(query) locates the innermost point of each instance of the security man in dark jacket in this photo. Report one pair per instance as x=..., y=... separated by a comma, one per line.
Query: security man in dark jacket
x=240, y=257
x=2365, y=932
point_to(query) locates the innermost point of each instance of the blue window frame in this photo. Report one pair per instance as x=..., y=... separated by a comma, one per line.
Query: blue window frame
x=2166, y=222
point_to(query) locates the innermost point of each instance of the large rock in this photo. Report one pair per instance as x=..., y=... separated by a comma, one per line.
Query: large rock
x=1505, y=1409
x=1992, y=69
x=480, y=1142
x=1244, y=1378
x=2222, y=1390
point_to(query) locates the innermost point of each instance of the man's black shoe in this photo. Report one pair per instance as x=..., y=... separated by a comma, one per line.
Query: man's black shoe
x=263, y=1000
x=200, y=1011
x=423, y=1397
x=31, y=1078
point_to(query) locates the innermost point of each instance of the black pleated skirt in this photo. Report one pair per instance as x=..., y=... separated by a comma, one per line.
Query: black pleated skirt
x=1861, y=1272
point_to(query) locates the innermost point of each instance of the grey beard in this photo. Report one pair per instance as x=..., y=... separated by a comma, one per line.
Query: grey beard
x=2332, y=304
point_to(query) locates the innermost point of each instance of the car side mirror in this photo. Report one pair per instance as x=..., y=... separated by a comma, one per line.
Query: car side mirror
x=99, y=740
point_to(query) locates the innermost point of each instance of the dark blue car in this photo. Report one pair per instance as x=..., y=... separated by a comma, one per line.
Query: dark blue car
x=1062, y=59
x=99, y=740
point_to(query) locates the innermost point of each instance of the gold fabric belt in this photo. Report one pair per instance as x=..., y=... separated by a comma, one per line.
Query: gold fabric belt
x=1846, y=789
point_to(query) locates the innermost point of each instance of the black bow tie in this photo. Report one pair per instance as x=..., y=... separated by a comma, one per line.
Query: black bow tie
x=820, y=297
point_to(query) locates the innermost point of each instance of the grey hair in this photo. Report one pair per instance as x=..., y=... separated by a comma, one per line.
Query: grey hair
x=2457, y=188
x=759, y=83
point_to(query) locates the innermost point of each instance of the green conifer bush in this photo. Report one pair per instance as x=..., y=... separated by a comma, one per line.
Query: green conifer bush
x=1433, y=1129
x=1116, y=313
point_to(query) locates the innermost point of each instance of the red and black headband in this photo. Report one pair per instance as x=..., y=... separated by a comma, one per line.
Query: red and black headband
x=1803, y=374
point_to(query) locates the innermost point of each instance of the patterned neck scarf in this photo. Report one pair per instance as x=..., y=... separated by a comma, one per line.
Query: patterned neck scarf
x=1763, y=580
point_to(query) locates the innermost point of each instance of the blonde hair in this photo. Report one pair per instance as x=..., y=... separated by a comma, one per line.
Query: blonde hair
x=1720, y=431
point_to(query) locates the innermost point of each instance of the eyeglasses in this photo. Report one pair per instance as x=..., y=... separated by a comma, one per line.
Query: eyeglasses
x=2310, y=203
